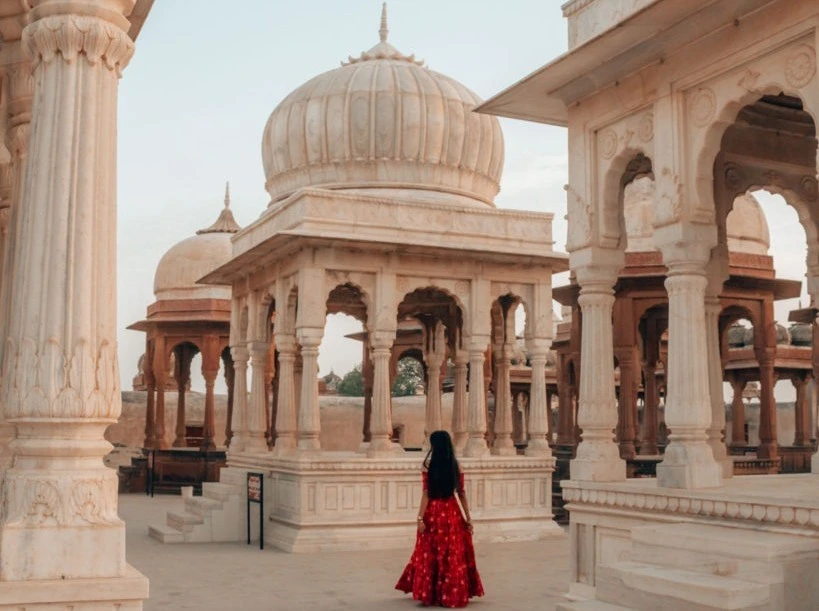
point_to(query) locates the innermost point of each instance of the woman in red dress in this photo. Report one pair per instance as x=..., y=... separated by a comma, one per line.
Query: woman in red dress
x=442, y=569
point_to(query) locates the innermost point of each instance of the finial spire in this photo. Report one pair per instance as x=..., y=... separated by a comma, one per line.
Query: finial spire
x=225, y=223
x=227, y=194
x=383, y=31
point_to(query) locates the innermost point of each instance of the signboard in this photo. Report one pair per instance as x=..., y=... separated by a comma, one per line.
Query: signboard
x=255, y=494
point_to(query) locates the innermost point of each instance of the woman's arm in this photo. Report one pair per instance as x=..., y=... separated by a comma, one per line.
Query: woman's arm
x=421, y=511
x=465, y=505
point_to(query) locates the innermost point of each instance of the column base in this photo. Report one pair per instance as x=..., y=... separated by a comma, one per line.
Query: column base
x=725, y=462
x=539, y=448
x=124, y=593
x=689, y=466
x=814, y=463
x=504, y=451
x=597, y=462
x=309, y=445
x=256, y=445
x=476, y=448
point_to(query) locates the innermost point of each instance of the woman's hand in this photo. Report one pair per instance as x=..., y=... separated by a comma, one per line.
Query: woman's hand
x=469, y=526
x=421, y=526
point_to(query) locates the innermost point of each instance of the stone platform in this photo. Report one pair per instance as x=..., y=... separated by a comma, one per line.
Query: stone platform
x=345, y=502
x=752, y=543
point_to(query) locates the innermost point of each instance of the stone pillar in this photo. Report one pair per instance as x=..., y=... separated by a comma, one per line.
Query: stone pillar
x=627, y=402
x=161, y=380
x=738, y=412
x=475, y=446
x=597, y=457
x=257, y=406
x=381, y=418
x=286, y=427
x=540, y=410
x=459, y=400
x=768, y=445
x=367, y=378
x=689, y=461
x=210, y=369
x=182, y=373
x=716, y=431
x=230, y=379
x=309, y=415
x=502, y=443
x=801, y=436
x=651, y=402
x=150, y=407
x=61, y=386
x=238, y=421
x=434, y=355
x=565, y=403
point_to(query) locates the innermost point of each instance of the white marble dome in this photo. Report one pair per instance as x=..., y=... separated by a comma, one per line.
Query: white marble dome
x=746, y=225
x=185, y=263
x=383, y=121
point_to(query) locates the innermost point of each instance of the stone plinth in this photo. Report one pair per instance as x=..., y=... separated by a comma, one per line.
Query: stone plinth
x=342, y=502
x=750, y=543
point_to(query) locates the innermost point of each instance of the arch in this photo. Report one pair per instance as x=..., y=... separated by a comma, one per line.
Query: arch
x=457, y=290
x=622, y=169
x=341, y=299
x=450, y=311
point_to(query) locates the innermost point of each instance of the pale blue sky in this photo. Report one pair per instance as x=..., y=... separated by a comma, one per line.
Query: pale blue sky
x=207, y=74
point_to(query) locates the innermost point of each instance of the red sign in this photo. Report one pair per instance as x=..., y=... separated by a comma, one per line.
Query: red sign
x=254, y=487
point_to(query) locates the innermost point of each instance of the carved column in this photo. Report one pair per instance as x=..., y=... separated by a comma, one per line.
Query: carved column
x=597, y=458
x=627, y=403
x=309, y=414
x=459, y=400
x=210, y=369
x=768, y=445
x=565, y=407
x=182, y=373
x=161, y=380
x=367, y=378
x=286, y=427
x=648, y=446
x=540, y=411
x=689, y=461
x=61, y=374
x=502, y=443
x=475, y=446
x=150, y=407
x=238, y=420
x=273, y=392
x=716, y=431
x=381, y=418
x=230, y=381
x=801, y=436
x=257, y=406
x=434, y=355
x=738, y=412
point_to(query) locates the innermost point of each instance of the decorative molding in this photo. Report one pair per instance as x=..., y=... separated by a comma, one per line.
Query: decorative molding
x=749, y=80
x=809, y=188
x=645, y=130
x=608, y=144
x=33, y=500
x=701, y=106
x=70, y=36
x=800, y=67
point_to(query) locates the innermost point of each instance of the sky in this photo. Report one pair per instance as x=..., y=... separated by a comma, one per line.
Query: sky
x=204, y=79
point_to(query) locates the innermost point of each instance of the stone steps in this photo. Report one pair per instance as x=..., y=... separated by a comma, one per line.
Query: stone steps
x=183, y=521
x=649, y=587
x=166, y=534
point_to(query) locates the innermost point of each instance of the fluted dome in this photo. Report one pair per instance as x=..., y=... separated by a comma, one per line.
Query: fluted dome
x=801, y=334
x=185, y=263
x=746, y=226
x=384, y=121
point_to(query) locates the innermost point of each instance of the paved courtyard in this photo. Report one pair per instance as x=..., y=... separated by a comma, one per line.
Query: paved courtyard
x=222, y=576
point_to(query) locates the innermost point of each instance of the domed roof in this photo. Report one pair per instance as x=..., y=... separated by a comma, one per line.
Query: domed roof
x=746, y=226
x=801, y=334
x=384, y=121
x=191, y=259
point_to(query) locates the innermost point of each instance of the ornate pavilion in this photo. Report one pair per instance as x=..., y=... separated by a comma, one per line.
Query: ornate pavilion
x=722, y=98
x=381, y=182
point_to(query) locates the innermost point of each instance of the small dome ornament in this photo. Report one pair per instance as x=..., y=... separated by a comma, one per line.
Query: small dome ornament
x=383, y=50
x=225, y=223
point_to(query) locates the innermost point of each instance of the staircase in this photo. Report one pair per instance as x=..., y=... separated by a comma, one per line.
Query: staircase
x=218, y=515
x=698, y=567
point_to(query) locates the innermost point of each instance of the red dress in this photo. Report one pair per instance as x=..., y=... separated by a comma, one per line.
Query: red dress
x=442, y=569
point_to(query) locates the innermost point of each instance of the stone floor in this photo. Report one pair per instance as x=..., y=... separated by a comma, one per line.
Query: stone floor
x=221, y=576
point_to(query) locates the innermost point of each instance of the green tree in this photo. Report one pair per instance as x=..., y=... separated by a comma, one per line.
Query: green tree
x=410, y=375
x=352, y=384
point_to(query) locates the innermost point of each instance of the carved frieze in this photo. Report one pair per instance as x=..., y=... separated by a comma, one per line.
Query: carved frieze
x=60, y=501
x=702, y=104
x=608, y=144
x=800, y=67
x=645, y=130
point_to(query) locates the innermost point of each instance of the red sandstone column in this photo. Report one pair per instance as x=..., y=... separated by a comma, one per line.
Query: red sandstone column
x=161, y=379
x=768, y=446
x=802, y=413
x=182, y=374
x=627, y=404
x=648, y=447
x=150, y=408
x=738, y=412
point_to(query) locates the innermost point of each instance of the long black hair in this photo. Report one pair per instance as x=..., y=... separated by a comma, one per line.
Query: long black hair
x=442, y=467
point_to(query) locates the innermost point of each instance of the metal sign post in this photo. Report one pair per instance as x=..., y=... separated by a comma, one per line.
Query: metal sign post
x=255, y=494
x=149, y=473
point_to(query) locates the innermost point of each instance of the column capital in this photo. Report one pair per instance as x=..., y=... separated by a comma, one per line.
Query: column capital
x=381, y=339
x=686, y=246
x=240, y=354
x=97, y=31
x=478, y=343
x=309, y=337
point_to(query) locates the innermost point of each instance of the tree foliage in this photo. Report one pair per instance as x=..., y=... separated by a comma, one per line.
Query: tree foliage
x=410, y=375
x=352, y=384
